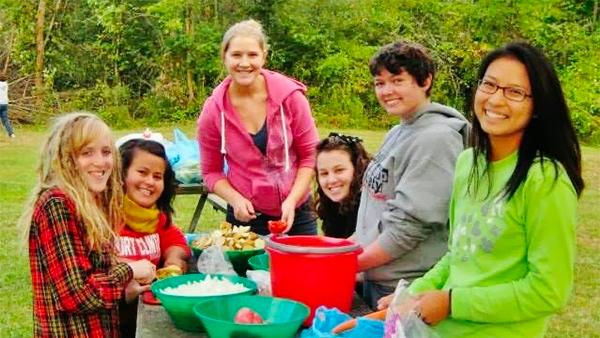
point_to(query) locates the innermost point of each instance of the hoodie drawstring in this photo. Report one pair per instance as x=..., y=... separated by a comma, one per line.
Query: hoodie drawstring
x=223, y=151
x=285, y=139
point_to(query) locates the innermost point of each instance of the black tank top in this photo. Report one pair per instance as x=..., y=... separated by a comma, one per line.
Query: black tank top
x=260, y=139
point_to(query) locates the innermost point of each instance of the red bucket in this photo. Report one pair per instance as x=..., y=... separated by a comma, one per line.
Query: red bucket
x=314, y=270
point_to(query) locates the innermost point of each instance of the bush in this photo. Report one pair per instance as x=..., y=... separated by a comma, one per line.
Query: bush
x=141, y=59
x=110, y=103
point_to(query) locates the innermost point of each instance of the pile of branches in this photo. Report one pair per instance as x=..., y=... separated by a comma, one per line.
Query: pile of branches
x=23, y=103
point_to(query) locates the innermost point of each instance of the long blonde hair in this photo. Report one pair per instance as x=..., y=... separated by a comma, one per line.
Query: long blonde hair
x=100, y=215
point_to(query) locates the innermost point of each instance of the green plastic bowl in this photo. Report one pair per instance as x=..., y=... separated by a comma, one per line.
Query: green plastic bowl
x=180, y=308
x=283, y=317
x=259, y=262
x=238, y=258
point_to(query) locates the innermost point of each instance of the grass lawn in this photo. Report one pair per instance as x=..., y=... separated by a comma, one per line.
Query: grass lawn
x=18, y=158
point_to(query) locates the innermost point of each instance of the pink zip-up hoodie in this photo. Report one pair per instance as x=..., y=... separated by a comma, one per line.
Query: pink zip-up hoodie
x=265, y=180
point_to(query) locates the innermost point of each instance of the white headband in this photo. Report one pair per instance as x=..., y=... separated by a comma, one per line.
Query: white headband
x=146, y=135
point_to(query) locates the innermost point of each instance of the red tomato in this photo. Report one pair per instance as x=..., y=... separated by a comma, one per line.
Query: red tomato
x=247, y=316
x=276, y=227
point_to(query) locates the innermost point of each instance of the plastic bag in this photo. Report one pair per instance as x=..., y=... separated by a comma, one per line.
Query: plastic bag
x=212, y=260
x=326, y=319
x=401, y=319
x=184, y=157
x=262, y=279
x=188, y=173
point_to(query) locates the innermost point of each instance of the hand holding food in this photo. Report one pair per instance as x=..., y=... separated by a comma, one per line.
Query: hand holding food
x=168, y=271
x=277, y=227
x=176, y=255
x=288, y=213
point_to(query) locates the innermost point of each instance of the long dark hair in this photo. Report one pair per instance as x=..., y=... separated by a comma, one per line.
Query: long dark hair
x=128, y=150
x=550, y=133
x=359, y=158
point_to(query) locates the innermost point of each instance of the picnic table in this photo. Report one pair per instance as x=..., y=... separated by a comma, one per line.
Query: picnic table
x=199, y=189
x=154, y=322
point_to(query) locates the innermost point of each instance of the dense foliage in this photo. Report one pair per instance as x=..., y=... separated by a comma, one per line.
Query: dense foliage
x=159, y=59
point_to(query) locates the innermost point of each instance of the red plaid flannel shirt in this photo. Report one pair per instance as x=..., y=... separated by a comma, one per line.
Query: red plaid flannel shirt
x=75, y=290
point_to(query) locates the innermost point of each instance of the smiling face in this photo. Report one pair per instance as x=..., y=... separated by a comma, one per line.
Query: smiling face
x=502, y=119
x=335, y=172
x=95, y=164
x=144, y=180
x=400, y=94
x=244, y=58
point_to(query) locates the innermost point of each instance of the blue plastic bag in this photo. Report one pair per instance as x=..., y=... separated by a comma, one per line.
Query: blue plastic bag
x=172, y=154
x=326, y=319
x=184, y=157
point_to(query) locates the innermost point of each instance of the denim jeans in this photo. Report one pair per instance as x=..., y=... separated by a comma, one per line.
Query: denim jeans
x=372, y=292
x=5, y=120
x=305, y=221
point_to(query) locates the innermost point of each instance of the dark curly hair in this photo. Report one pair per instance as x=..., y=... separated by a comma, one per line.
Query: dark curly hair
x=128, y=149
x=360, y=160
x=404, y=56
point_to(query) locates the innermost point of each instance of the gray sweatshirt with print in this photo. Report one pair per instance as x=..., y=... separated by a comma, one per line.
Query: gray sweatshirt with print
x=406, y=192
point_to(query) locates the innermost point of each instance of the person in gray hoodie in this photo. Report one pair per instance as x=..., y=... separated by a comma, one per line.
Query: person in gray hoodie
x=403, y=213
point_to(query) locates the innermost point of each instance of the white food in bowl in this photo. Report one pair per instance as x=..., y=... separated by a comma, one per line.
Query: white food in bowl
x=210, y=286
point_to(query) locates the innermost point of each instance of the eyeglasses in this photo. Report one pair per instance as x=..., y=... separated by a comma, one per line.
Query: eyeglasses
x=512, y=93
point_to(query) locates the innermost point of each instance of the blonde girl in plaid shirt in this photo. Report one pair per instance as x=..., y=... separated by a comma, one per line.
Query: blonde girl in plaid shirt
x=69, y=223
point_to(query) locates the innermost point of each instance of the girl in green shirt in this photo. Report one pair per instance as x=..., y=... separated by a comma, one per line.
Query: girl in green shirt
x=513, y=207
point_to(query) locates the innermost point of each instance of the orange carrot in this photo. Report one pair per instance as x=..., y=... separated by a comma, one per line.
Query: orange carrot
x=351, y=323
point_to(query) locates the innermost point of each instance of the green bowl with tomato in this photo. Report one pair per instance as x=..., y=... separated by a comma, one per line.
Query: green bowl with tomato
x=281, y=317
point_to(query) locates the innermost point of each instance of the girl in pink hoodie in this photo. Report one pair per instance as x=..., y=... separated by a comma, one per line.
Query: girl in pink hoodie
x=259, y=123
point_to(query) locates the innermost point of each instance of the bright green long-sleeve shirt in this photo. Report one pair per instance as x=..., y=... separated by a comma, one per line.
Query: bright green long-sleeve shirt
x=510, y=263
